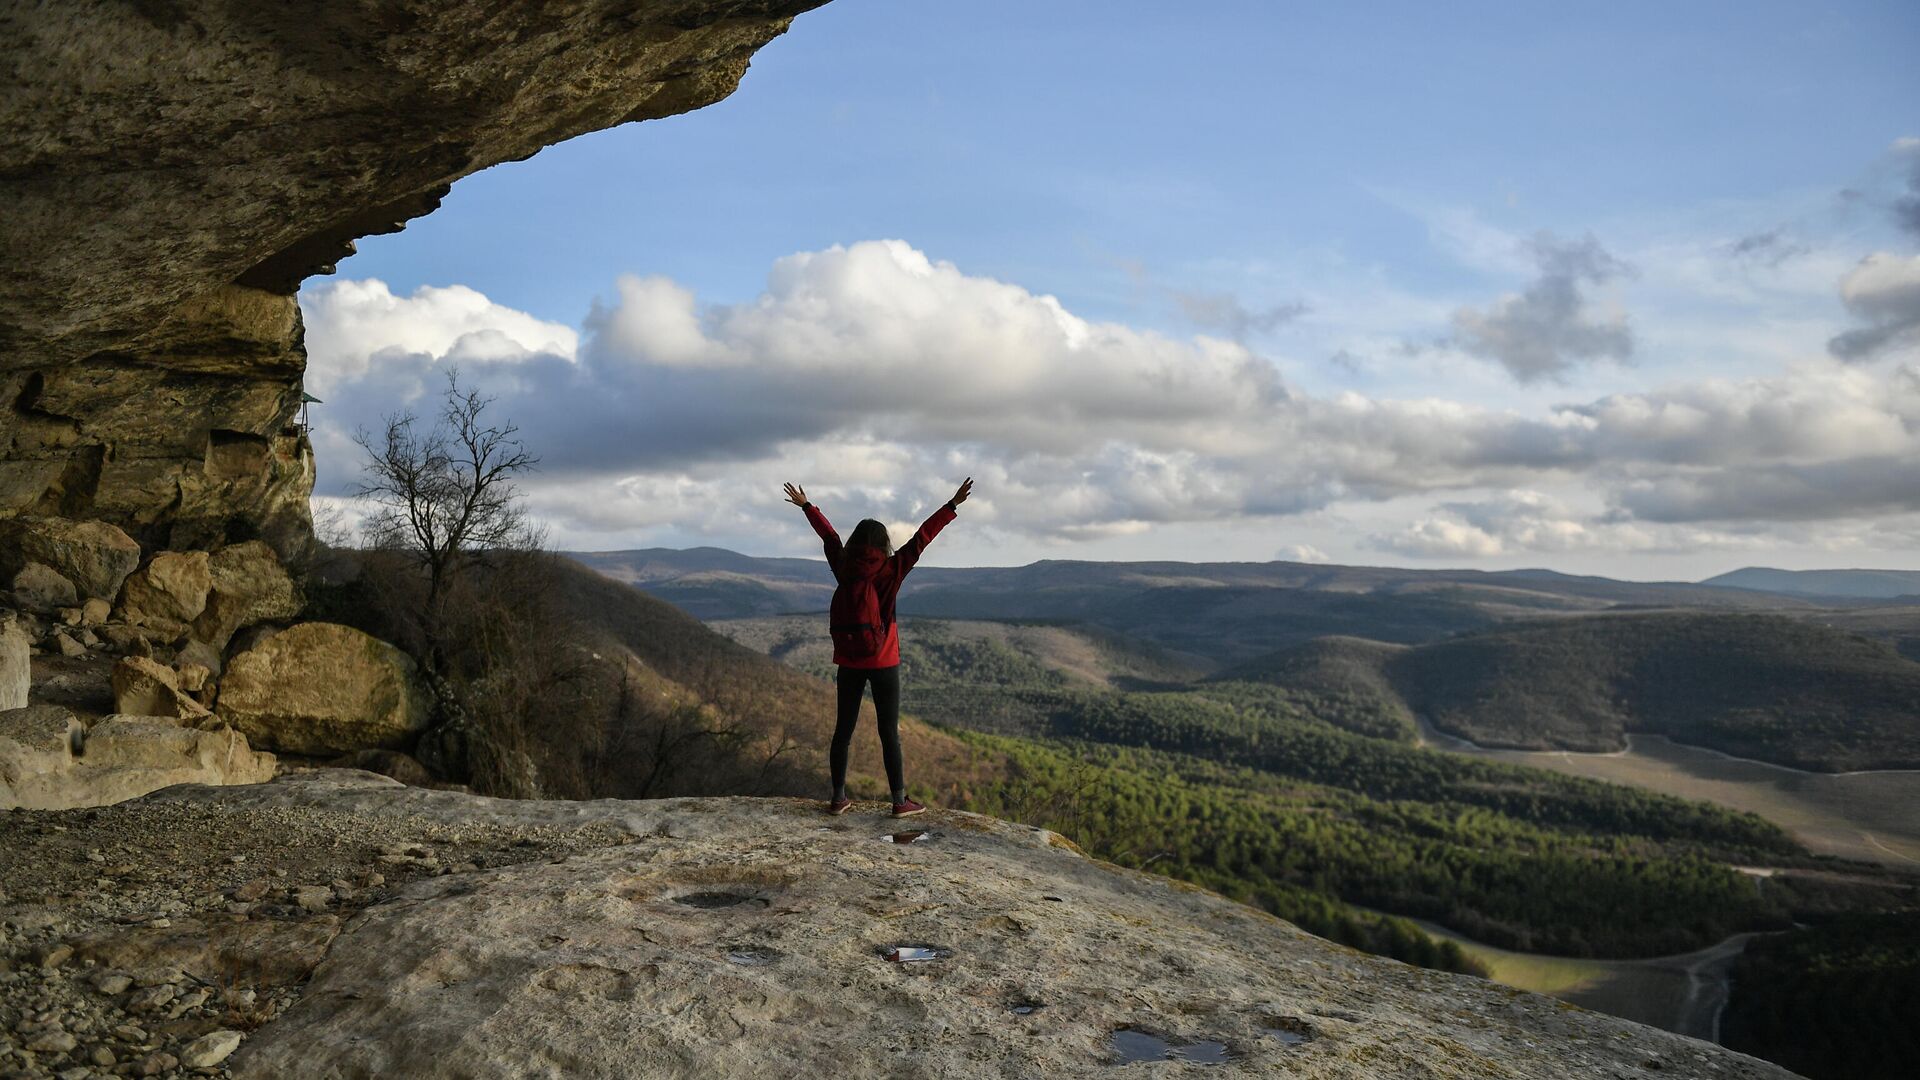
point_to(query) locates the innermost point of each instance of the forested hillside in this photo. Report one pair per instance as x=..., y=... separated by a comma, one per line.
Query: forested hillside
x=1789, y=691
x=1834, y=1002
x=609, y=692
x=1301, y=800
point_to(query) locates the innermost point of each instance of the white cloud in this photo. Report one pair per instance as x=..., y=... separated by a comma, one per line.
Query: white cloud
x=1530, y=522
x=879, y=377
x=1305, y=553
x=1816, y=411
x=1555, y=323
x=1442, y=538
x=1884, y=293
x=350, y=323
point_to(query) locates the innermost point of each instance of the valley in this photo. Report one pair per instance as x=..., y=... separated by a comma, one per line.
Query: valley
x=1600, y=860
x=1867, y=815
x=1685, y=993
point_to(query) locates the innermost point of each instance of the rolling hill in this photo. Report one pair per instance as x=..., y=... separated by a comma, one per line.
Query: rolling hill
x=1789, y=691
x=1856, y=584
x=1222, y=613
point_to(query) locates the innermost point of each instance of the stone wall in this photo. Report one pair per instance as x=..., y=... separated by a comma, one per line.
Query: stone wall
x=185, y=445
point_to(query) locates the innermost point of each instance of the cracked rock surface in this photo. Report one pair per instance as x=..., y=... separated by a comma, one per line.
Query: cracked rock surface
x=749, y=937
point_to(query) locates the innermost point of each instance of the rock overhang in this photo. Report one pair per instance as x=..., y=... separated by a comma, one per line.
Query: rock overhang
x=173, y=170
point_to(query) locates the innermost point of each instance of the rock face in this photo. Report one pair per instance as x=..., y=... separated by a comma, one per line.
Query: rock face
x=143, y=686
x=247, y=585
x=172, y=171
x=748, y=937
x=49, y=761
x=324, y=689
x=95, y=556
x=168, y=593
x=40, y=588
x=16, y=666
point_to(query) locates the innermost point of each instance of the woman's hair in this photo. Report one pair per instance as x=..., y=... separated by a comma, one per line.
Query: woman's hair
x=870, y=533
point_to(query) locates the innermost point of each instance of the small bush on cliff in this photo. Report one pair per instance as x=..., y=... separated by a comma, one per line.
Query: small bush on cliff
x=538, y=695
x=445, y=496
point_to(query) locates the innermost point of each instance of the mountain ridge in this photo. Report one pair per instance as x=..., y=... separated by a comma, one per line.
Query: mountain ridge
x=1850, y=583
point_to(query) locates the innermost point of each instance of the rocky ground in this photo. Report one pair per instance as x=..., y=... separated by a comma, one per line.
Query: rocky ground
x=152, y=937
x=335, y=923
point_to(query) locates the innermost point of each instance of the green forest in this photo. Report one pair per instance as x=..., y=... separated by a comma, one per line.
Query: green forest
x=1837, y=1001
x=1306, y=800
x=1785, y=690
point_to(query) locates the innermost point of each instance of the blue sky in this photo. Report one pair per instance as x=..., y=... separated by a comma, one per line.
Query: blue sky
x=1428, y=222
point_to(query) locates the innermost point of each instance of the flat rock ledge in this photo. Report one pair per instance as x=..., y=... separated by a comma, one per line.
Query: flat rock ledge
x=749, y=937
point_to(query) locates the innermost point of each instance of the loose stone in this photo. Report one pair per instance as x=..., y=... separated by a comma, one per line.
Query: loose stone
x=52, y=1042
x=210, y=1049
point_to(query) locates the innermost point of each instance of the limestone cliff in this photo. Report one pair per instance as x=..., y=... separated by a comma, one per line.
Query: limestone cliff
x=714, y=938
x=172, y=169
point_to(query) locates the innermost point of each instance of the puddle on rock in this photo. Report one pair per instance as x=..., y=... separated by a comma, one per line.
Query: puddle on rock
x=752, y=956
x=911, y=836
x=1290, y=1031
x=717, y=900
x=906, y=954
x=1134, y=1046
x=1201, y=1052
x=1027, y=1008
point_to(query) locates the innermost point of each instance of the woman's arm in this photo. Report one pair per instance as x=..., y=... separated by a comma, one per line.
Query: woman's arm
x=828, y=537
x=909, y=552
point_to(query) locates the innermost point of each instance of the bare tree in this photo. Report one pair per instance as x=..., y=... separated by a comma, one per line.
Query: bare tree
x=446, y=494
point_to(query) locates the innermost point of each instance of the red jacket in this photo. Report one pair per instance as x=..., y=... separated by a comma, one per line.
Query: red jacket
x=887, y=571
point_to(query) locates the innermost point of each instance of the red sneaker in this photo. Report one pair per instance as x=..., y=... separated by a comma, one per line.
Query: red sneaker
x=904, y=809
x=839, y=806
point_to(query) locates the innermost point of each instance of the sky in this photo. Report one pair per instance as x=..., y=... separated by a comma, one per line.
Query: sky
x=1631, y=291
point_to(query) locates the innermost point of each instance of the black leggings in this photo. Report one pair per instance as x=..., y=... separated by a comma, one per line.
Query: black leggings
x=886, y=702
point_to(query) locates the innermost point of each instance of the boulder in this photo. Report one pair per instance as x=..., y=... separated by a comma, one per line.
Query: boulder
x=390, y=763
x=168, y=593
x=34, y=742
x=16, y=666
x=126, y=639
x=41, y=589
x=248, y=585
x=95, y=611
x=191, y=677
x=124, y=757
x=94, y=555
x=143, y=686
x=324, y=689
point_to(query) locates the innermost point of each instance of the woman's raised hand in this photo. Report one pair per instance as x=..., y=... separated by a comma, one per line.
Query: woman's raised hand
x=796, y=495
x=960, y=496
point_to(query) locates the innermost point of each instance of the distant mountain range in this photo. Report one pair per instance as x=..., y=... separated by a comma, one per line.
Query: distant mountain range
x=1221, y=612
x=1812, y=668
x=1854, y=584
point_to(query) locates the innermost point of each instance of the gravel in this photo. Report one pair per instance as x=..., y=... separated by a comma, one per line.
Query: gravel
x=137, y=867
